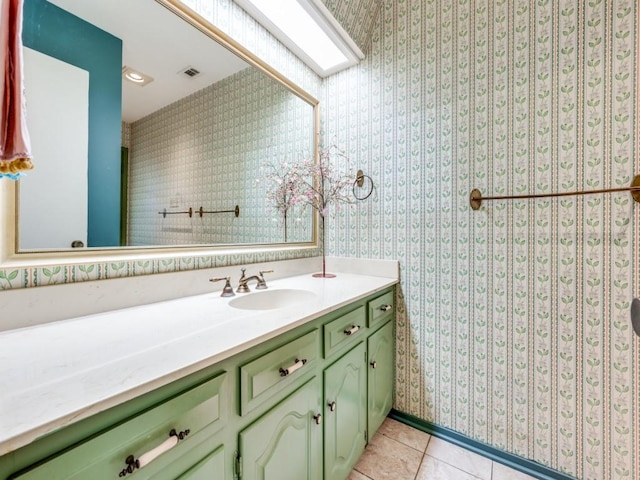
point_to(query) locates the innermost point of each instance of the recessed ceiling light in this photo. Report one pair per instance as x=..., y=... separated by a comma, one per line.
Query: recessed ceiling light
x=135, y=76
x=308, y=29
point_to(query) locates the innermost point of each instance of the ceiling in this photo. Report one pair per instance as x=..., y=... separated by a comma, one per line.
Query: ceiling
x=157, y=43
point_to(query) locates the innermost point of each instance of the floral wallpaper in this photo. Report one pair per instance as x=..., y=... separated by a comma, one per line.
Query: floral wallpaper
x=514, y=320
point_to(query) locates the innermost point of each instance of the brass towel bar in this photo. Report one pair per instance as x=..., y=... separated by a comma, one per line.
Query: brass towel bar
x=476, y=198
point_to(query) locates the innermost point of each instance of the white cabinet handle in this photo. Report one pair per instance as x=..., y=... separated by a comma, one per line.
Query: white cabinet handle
x=352, y=330
x=289, y=370
x=318, y=418
x=386, y=308
x=332, y=406
x=148, y=457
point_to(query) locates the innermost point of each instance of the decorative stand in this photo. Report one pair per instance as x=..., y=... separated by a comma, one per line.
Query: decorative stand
x=324, y=273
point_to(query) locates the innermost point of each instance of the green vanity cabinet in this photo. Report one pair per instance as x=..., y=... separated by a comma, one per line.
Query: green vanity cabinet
x=286, y=442
x=299, y=406
x=380, y=375
x=345, y=425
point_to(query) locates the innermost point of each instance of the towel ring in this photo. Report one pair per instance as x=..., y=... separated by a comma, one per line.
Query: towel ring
x=360, y=178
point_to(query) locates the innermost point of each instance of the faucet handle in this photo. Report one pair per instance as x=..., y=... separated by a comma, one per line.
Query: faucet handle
x=227, y=290
x=262, y=285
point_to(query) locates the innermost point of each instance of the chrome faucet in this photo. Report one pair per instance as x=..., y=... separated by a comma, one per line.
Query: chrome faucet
x=260, y=282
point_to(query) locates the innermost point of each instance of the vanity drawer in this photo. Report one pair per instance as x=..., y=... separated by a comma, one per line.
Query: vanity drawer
x=381, y=309
x=104, y=456
x=263, y=377
x=343, y=330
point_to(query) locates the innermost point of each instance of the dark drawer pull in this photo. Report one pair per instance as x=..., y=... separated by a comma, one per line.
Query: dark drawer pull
x=386, y=308
x=148, y=457
x=352, y=330
x=289, y=370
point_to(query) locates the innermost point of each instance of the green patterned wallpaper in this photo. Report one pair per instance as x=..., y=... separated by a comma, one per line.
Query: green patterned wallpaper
x=514, y=320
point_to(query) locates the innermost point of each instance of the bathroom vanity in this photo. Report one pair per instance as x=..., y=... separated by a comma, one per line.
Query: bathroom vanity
x=199, y=388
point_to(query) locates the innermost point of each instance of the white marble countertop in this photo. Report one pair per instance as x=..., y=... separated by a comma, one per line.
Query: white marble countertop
x=54, y=374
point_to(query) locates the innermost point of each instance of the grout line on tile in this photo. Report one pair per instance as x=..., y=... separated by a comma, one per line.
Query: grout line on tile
x=458, y=468
x=415, y=477
x=406, y=445
x=428, y=442
x=366, y=476
x=400, y=443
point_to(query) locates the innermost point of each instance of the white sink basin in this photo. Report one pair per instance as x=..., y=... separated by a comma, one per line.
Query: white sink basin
x=272, y=299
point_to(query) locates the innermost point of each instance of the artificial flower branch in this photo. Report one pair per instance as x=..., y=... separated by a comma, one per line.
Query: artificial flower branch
x=316, y=184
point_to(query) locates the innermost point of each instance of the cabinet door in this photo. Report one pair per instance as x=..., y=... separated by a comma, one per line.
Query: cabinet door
x=286, y=442
x=345, y=386
x=380, y=380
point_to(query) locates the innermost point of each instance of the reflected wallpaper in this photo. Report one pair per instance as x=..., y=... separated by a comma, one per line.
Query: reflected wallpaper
x=210, y=149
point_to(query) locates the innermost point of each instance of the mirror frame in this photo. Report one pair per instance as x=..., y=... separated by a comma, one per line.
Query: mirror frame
x=10, y=256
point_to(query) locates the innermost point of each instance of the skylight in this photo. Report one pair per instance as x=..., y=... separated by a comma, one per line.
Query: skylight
x=309, y=30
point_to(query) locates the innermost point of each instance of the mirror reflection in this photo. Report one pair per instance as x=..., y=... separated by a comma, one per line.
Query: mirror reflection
x=172, y=160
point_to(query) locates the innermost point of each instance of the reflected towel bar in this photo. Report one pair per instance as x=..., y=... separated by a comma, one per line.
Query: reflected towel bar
x=235, y=211
x=476, y=198
x=164, y=213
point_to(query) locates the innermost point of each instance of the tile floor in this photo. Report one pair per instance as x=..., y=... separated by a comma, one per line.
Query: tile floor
x=400, y=452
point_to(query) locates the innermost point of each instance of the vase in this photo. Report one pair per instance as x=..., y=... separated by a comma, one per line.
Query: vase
x=285, y=226
x=324, y=273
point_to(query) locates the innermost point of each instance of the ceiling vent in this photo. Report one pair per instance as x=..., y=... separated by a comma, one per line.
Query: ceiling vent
x=190, y=72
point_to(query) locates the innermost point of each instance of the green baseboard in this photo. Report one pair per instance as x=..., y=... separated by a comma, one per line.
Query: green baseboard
x=523, y=465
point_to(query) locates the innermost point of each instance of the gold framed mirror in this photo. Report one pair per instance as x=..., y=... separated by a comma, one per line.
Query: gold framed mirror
x=175, y=197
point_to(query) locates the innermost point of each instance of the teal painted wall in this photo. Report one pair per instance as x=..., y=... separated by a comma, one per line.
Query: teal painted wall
x=57, y=33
